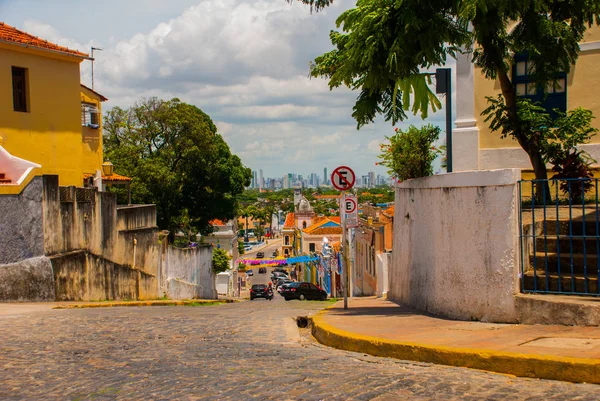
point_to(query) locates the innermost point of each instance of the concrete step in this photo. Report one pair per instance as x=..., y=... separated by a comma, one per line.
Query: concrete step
x=566, y=245
x=580, y=263
x=539, y=281
x=568, y=310
x=580, y=226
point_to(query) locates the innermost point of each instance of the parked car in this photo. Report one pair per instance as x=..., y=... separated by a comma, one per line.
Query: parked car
x=260, y=291
x=260, y=255
x=282, y=287
x=282, y=280
x=302, y=291
x=249, y=273
x=276, y=275
x=262, y=270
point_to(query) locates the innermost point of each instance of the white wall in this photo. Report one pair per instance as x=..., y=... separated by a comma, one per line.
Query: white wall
x=456, y=245
x=383, y=264
x=187, y=273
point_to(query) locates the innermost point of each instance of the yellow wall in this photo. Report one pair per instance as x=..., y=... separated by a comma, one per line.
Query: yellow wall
x=581, y=80
x=92, y=156
x=50, y=133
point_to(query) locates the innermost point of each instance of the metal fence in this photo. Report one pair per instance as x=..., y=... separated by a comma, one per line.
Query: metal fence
x=560, y=236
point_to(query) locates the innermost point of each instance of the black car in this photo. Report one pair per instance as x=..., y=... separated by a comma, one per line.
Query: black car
x=303, y=291
x=260, y=291
x=260, y=255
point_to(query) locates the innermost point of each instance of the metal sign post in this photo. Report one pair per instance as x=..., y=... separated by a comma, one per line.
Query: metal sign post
x=343, y=179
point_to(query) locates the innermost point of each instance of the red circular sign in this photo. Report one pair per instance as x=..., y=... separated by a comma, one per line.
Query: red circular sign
x=343, y=178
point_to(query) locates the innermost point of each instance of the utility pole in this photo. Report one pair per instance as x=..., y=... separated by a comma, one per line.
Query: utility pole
x=98, y=49
x=344, y=256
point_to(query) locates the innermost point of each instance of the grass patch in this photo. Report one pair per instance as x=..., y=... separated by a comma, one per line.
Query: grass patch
x=328, y=300
x=211, y=303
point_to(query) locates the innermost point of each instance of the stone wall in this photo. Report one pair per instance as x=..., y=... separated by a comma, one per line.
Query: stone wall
x=456, y=245
x=21, y=224
x=25, y=274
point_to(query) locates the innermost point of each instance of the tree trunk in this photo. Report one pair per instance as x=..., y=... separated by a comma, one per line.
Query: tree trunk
x=542, y=189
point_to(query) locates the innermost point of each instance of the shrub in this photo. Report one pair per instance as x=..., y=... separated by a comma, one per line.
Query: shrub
x=410, y=153
x=220, y=261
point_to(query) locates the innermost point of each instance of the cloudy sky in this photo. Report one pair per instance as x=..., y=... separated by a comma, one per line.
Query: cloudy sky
x=244, y=63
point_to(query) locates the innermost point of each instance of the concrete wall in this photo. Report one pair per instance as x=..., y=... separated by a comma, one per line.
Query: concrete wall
x=456, y=245
x=187, y=273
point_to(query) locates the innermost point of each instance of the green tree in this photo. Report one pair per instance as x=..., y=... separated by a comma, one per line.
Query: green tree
x=558, y=139
x=270, y=210
x=220, y=260
x=177, y=160
x=385, y=46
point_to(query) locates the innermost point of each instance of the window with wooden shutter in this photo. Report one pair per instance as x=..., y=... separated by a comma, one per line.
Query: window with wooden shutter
x=19, y=86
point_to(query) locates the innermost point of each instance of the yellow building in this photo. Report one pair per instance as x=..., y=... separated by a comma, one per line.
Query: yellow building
x=47, y=116
x=476, y=147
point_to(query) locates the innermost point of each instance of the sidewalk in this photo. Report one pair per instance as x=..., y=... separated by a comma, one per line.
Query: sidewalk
x=14, y=309
x=383, y=328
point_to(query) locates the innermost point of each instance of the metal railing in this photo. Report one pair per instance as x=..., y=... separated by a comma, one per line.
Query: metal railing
x=560, y=236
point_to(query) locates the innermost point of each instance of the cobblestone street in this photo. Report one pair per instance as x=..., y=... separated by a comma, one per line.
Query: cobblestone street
x=247, y=350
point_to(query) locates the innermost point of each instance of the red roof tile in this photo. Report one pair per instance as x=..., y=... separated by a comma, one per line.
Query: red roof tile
x=289, y=221
x=13, y=35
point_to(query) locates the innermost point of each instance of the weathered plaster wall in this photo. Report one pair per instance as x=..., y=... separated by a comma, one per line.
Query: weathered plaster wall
x=456, y=245
x=187, y=273
x=21, y=233
x=98, y=250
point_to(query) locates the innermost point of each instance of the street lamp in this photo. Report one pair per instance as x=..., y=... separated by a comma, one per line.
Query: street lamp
x=108, y=168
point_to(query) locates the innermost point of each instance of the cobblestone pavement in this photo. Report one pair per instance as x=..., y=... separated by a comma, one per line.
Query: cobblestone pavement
x=248, y=350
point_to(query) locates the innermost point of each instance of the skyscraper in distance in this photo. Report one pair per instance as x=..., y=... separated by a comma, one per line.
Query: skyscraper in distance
x=325, y=176
x=261, y=182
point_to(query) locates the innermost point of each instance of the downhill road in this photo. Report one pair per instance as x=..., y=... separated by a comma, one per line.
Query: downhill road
x=240, y=351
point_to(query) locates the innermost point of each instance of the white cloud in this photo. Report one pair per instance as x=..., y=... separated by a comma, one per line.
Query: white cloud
x=245, y=63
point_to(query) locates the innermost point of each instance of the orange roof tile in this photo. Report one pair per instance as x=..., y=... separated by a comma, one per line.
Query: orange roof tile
x=13, y=35
x=389, y=211
x=113, y=177
x=217, y=222
x=289, y=221
x=316, y=228
x=325, y=231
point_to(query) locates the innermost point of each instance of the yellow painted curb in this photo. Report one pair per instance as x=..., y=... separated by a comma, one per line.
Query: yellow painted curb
x=144, y=303
x=577, y=370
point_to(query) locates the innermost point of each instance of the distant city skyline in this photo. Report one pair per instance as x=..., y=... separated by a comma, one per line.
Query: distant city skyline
x=313, y=180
